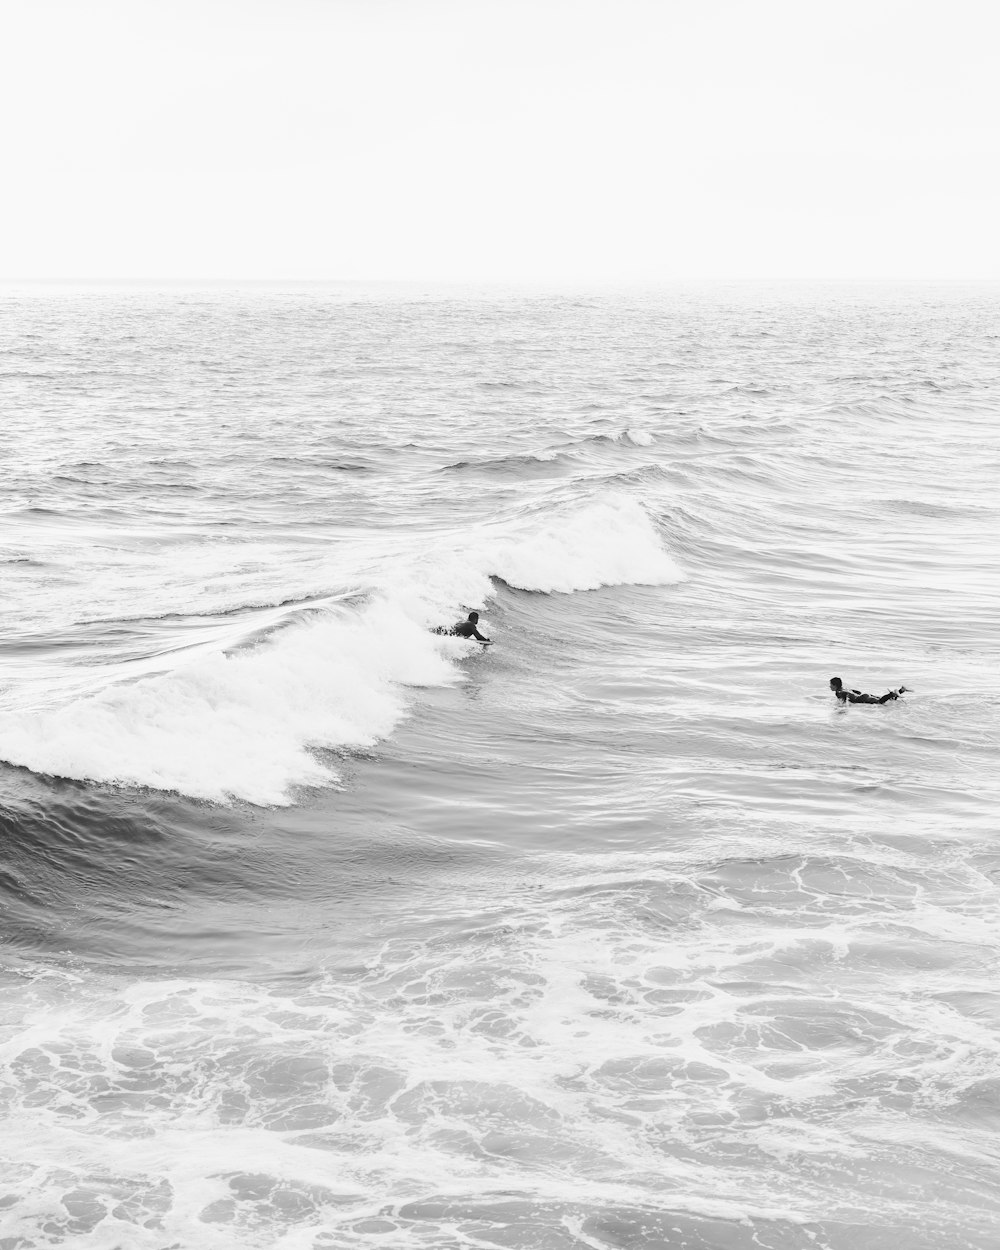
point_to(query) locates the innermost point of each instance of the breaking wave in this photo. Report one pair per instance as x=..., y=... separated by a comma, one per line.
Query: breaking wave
x=256, y=721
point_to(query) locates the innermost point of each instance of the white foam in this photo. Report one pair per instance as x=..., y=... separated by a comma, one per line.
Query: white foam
x=240, y=725
x=606, y=544
x=246, y=724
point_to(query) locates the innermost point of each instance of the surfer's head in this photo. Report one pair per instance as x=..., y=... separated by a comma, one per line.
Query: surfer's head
x=474, y=617
x=835, y=683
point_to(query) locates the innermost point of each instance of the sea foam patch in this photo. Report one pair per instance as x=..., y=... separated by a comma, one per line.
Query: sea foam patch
x=557, y=1059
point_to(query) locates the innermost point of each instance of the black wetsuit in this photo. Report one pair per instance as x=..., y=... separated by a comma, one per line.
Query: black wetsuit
x=466, y=629
x=855, y=696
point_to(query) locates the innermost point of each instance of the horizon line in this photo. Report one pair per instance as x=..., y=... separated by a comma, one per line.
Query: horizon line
x=880, y=279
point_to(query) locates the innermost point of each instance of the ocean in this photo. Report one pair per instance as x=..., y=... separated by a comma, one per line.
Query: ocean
x=322, y=930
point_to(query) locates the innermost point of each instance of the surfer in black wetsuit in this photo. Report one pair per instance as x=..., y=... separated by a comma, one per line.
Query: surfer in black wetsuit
x=855, y=696
x=465, y=629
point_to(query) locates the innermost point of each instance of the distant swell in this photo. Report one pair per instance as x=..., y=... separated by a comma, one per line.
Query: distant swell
x=562, y=455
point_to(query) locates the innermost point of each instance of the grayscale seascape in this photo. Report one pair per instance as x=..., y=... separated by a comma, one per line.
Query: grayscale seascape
x=321, y=930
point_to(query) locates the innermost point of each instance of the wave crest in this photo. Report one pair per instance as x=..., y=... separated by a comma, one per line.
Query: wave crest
x=240, y=725
x=247, y=724
x=605, y=544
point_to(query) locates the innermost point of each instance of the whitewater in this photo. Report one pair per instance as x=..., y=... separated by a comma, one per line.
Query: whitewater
x=323, y=930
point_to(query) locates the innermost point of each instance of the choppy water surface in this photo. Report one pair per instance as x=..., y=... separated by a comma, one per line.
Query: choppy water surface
x=321, y=930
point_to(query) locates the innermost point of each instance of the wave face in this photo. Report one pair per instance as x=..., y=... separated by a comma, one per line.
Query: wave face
x=323, y=929
x=247, y=720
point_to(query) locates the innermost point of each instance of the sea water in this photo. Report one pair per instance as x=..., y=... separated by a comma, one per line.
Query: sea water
x=321, y=930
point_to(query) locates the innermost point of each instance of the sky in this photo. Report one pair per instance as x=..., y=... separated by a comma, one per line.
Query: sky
x=499, y=140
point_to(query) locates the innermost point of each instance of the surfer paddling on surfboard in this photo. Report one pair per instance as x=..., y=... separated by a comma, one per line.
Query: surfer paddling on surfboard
x=855, y=696
x=466, y=629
